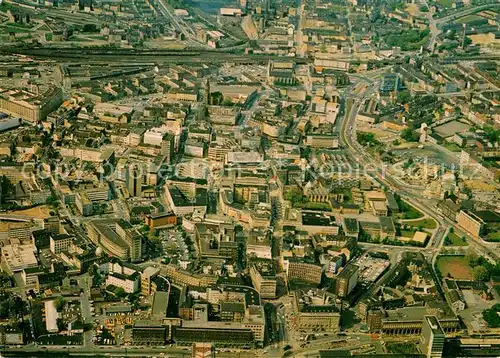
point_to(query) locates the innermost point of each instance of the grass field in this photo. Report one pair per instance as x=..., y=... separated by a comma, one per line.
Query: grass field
x=407, y=233
x=409, y=212
x=426, y=223
x=79, y=39
x=493, y=236
x=455, y=266
x=14, y=29
x=446, y=3
x=469, y=18
x=453, y=147
x=455, y=240
x=402, y=348
x=317, y=206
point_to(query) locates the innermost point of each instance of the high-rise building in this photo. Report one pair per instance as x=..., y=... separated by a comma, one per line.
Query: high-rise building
x=347, y=280
x=432, y=338
x=207, y=93
x=133, y=180
x=464, y=35
x=168, y=147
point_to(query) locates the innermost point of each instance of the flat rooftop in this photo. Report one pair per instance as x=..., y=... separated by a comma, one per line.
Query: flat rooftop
x=434, y=325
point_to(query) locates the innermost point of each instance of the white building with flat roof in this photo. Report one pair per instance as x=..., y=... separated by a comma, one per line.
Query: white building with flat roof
x=19, y=256
x=51, y=316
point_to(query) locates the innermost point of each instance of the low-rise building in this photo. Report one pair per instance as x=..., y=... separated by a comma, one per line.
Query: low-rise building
x=19, y=256
x=156, y=220
x=129, y=283
x=150, y=333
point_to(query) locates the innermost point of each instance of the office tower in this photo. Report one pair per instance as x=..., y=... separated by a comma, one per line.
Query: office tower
x=347, y=280
x=432, y=338
x=133, y=180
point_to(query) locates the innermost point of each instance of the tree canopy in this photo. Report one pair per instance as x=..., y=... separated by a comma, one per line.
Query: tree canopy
x=409, y=135
x=60, y=303
x=492, y=317
x=480, y=273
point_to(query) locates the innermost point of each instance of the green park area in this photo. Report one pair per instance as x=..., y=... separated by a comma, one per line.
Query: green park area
x=452, y=147
x=10, y=28
x=316, y=206
x=407, y=233
x=400, y=348
x=426, y=223
x=493, y=236
x=446, y=3
x=454, y=240
x=468, y=267
x=408, y=211
x=469, y=18
x=408, y=39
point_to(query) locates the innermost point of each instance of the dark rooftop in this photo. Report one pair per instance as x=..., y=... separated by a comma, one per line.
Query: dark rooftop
x=351, y=225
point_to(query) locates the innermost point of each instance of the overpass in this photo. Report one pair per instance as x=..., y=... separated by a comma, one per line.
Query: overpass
x=19, y=218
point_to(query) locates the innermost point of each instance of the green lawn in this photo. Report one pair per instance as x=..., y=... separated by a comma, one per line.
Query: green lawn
x=446, y=3
x=452, y=147
x=455, y=240
x=426, y=223
x=407, y=233
x=79, y=39
x=98, y=37
x=409, y=212
x=317, y=206
x=493, y=236
x=15, y=29
x=402, y=348
x=469, y=18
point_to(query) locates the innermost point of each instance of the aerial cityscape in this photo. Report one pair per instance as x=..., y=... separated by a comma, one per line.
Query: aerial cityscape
x=250, y=178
